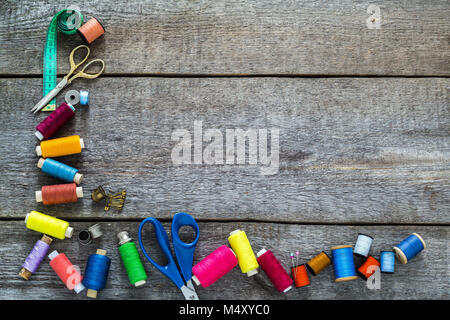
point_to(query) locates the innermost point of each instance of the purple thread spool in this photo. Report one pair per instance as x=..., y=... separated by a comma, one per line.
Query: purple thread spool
x=54, y=121
x=35, y=257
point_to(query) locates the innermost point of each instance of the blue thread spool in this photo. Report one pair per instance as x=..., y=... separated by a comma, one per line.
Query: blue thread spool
x=409, y=248
x=59, y=170
x=362, y=246
x=84, y=97
x=387, y=261
x=96, y=273
x=343, y=264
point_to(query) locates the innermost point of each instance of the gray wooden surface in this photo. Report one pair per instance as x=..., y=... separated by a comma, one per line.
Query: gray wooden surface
x=364, y=136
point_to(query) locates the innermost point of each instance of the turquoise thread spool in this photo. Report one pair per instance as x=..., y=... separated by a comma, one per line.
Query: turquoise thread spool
x=343, y=263
x=84, y=97
x=362, y=246
x=387, y=261
x=409, y=248
x=59, y=170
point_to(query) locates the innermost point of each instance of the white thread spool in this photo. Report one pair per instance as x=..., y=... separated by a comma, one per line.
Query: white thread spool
x=362, y=246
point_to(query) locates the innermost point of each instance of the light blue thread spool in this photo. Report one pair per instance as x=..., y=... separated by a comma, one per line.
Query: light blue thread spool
x=84, y=97
x=409, y=248
x=59, y=170
x=343, y=263
x=387, y=261
x=362, y=246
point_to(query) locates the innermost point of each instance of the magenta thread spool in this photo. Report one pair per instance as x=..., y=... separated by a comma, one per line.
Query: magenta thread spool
x=35, y=257
x=54, y=121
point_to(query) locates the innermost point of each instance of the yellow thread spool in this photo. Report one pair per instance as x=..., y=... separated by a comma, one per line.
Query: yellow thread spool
x=244, y=252
x=60, y=147
x=48, y=225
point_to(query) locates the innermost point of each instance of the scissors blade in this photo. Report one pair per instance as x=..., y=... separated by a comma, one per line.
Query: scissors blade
x=189, y=294
x=49, y=96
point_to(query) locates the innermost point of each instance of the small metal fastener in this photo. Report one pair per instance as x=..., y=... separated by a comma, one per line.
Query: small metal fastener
x=84, y=237
x=95, y=231
x=72, y=97
x=98, y=194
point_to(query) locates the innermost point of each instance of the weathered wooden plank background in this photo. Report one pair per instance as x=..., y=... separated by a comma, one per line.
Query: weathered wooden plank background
x=364, y=136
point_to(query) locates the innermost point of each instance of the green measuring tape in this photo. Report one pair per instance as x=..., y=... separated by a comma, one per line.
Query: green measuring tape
x=67, y=21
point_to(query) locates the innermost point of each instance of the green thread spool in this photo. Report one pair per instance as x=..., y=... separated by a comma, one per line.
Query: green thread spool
x=131, y=260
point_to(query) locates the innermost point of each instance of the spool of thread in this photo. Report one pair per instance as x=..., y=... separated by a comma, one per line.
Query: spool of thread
x=49, y=225
x=131, y=260
x=343, y=263
x=95, y=231
x=300, y=276
x=59, y=170
x=60, y=147
x=274, y=270
x=217, y=264
x=91, y=30
x=66, y=271
x=96, y=273
x=409, y=248
x=59, y=193
x=368, y=268
x=362, y=246
x=317, y=264
x=244, y=252
x=72, y=97
x=84, y=97
x=54, y=121
x=387, y=261
x=84, y=237
x=35, y=257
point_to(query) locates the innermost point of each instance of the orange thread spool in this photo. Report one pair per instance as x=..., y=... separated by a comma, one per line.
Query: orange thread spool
x=368, y=267
x=91, y=30
x=318, y=263
x=300, y=276
x=59, y=193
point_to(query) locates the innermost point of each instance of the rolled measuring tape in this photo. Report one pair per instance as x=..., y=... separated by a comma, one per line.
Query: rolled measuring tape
x=67, y=21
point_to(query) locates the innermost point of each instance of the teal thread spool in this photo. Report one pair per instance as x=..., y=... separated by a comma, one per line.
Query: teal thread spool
x=131, y=260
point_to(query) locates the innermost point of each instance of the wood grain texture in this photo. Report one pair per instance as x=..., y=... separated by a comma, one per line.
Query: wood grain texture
x=425, y=277
x=239, y=37
x=351, y=150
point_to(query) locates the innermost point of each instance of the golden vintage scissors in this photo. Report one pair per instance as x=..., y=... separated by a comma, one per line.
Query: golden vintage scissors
x=66, y=80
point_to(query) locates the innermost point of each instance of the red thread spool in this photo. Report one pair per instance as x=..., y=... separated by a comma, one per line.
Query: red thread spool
x=300, y=276
x=59, y=193
x=54, y=121
x=66, y=271
x=274, y=270
x=91, y=30
x=217, y=264
x=368, y=268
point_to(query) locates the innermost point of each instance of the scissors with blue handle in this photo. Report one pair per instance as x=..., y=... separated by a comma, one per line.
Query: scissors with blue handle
x=66, y=80
x=184, y=252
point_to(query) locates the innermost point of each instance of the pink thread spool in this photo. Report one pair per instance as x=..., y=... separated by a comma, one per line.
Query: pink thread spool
x=274, y=270
x=54, y=121
x=217, y=264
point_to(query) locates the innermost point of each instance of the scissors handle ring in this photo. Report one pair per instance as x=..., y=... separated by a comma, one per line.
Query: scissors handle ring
x=73, y=65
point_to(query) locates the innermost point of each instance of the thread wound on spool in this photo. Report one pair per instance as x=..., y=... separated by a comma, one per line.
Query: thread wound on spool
x=59, y=170
x=55, y=120
x=368, y=268
x=216, y=265
x=387, y=261
x=409, y=248
x=343, y=263
x=300, y=276
x=35, y=257
x=318, y=263
x=96, y=273
x=362, y=246
x=48, y=225
x=133, y=264
x=66, y=271
x=274, y=270
x=244, y=252
x=91, y=30
x=84, y=97
x=59, y=193
x=60, y=147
